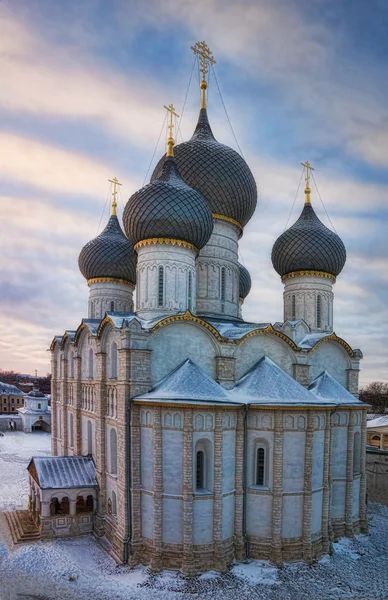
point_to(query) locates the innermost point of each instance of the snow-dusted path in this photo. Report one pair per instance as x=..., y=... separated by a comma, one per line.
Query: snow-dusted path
x=79, y=569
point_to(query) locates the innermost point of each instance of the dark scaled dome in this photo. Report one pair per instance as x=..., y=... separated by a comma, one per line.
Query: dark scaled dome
x=218, y=172
x=308, y=245
x=110, y=254
x=168, y=208
x=245, y=281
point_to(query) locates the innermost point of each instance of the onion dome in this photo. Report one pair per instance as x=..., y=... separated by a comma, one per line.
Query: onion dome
x=308, y=245
x=168, y=208
x=244, y=281
x=109, y=255
x=218, y=172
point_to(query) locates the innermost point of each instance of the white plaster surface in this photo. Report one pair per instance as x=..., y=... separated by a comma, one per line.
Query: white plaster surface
x=228, y=460
x=317, y=459
x=338, y=449
x=147, y=515
x=202, y=521
x=330, y=357
x=338, y=491
x=259, y=514
x=172, y=521
x=316, y=512
x=147, y=459
x=172, y=461
x=249, y=352
x=228, y=517
x=356, y=497
x=292, y=516
x=293, y=461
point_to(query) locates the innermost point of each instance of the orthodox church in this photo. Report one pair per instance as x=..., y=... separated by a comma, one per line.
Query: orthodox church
x=183, y=436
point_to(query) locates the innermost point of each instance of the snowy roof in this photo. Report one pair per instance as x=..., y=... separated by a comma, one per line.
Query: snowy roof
x=326, y=387
x=32, y=411
x=266, y=383
x=56, y=472
x=71, y=334
x=234, y=330
x=381, y=421
x=6, y=389
x=311, y=339
x=92, y=325
x=188, y=382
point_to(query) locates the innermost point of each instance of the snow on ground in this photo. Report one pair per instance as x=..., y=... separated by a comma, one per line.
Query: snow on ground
x=79, y=569
x=16, y=449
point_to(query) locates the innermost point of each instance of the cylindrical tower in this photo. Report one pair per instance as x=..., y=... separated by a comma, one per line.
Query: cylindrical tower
x=108, y=263
x=308, y=257
x=168, y=223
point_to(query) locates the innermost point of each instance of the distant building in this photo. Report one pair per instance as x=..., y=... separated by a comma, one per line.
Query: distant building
x=11, y=398
x=378, y=432
x=35, y=413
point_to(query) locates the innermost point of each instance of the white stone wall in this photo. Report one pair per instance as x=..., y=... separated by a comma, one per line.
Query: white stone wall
x=252, y=349
x=339, y=440
x=306, y=288
x=84, y=434
x=103, y=294
x=330, y=356
x=177, y=262
x=221, y=251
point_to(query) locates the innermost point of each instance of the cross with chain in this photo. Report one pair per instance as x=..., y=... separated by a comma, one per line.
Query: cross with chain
x=170, y=108
x=308, y=168
x=116, y=183
x=205, y=56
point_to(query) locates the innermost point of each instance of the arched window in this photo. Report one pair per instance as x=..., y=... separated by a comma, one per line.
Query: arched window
x=189, y=291
x=260, y=466
x=71, y=430
x=160, y=286
x=293, y=308
x=200, y=470
x=90, y=364
x=39, y=405
x=92, y=310
x=356, y=453
x=223, y=283
x=376, y=438
x=113, y=361
x=112, y=306
x=114, y=504
x=59, y=433
x=319, y=311
x=71, y=359
x=113, y=451
x=90, y=437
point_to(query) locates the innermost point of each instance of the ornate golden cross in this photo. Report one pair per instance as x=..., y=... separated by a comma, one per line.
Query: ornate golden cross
x=115, y=182
x=308, y=168
x=170, y=140
x=205, y=56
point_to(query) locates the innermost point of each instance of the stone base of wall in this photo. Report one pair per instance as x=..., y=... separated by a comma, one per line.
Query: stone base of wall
x=66, y=526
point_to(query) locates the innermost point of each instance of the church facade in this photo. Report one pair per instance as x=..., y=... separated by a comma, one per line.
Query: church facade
x=213, y=438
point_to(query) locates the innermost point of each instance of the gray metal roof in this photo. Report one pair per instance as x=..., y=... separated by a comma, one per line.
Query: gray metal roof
x=110, y=254
x=325, y=387
x=245, y=281
x=168, y=208
x=308, y=245
x=218, y=172
x=6, y=389
x=56, y=472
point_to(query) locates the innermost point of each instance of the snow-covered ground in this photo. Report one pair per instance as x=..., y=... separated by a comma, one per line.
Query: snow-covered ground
x=79, y=568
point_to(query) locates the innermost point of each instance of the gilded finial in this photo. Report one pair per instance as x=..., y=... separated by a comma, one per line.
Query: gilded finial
x=206, y=59
x=170, y=140
x=307, y=190
x=115, y=182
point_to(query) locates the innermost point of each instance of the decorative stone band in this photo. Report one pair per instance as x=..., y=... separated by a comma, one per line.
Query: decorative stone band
x=167, y=242
x=110, y=280
x=309, y=273
x=228, y=220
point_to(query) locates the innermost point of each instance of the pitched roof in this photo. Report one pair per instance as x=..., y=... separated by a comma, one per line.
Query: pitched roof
x=56, y=472
x=326, y=387
x=6, y=389
x=187, y=382
x=381, y=421
x=266, y=383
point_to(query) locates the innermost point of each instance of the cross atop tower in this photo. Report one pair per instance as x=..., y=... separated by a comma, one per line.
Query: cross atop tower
x=116, y=183
x=170, y=140
x=206, y=59
x=307, y=190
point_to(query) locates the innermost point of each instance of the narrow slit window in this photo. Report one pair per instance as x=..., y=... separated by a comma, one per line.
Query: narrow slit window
x=223, y=282
x=319, y=311
x=356, y=453
x=200, y=465
x=260, y=466
x=293, y=308
x=112, y=306
x=160, y=286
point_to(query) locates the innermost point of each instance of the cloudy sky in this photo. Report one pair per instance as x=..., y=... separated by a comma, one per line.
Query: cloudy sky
x=83, y=86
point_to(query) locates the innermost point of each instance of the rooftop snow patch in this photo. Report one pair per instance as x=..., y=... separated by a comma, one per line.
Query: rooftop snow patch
x=325, y=387
x=187, y=382
x=234, y=330
x=381, y=421
x=311, y=339
x=266, y=383
x=6, y=389
x=56, y=472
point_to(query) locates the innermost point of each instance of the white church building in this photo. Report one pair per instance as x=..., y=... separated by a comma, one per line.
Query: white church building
x=213, y=439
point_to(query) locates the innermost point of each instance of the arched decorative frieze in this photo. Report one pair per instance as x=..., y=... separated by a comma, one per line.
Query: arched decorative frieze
x=199, y=422
x=301, y=422
x=226, y=421
x=334, y=338
x=177, y=421
x=190, y=318
x=208, y=422
x=167, y=420
x=289, y=422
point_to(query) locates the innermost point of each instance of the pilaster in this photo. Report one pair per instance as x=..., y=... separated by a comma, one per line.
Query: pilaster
x=277, y=501
x=307, y=497
x=157, y=532
x=239, y=539
x=219, y=562
x=77, y=402
x=64, y=398
x=135, y=485
x=326, y=485
x=188, y=566
x=352, y=376
x=54, y=422
x=349, y=478
x=100, y=410
x=362, y=509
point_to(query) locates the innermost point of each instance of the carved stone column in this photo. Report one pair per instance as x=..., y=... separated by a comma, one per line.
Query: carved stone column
x=100, y=409
x=219, y=562
x=277, y=501
x=239, y=539
x=326, y=485
x=307, y=497
x=157, y=532
x=362, y=509
x=349, y=478
x=188, y=566
x=77, y=403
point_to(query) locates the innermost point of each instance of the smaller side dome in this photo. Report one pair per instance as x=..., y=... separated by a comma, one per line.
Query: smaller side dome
x=168, y=208
x=245, y=281
x=308, y=245
x=110, y=254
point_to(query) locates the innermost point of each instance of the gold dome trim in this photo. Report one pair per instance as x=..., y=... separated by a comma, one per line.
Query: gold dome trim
x=110, y=280
x=308, y=272
x=167, y=242
x=228, y=220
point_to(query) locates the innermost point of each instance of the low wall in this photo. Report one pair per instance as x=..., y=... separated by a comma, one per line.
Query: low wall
x=377, y=475
x=5, y=419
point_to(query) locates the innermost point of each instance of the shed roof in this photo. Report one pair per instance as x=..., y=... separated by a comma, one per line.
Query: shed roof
x=56, y=472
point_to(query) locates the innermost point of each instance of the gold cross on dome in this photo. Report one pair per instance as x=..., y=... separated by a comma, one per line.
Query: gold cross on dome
x=308, y=168
x=205, y=56
x=170, y=140
x=116, y=183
